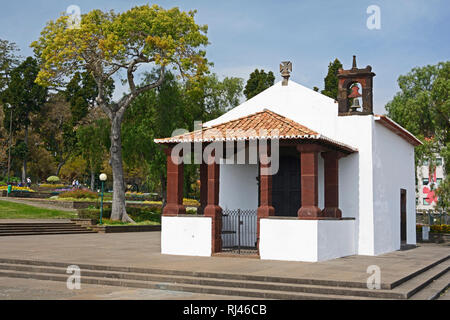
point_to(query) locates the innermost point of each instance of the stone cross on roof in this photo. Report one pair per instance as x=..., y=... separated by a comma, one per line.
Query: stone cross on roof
x=286, y=69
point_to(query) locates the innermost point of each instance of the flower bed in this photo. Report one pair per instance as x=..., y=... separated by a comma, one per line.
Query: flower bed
x=443, y=228
x=79, y=194
x=438, y=233
x=16, y=188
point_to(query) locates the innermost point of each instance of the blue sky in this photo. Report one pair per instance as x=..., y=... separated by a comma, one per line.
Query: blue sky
x=249, y=34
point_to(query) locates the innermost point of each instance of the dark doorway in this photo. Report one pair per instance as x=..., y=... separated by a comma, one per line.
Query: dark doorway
x=403, y=215
x=286, y=188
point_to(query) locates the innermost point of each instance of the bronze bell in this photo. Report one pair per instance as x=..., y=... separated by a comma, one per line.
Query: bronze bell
x=355, y=106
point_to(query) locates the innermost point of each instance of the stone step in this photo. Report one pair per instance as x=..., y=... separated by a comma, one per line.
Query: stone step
x=9, y=230
x=57, y=224
x=422, y=280
x=218, y=290
x=27, y=233
x=136, y=274
x=402, y=292
x=265, y=286
x=201, y=274
x=434, y=289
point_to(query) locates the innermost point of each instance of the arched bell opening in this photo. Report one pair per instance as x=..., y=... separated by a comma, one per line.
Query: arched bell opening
x=355, y=91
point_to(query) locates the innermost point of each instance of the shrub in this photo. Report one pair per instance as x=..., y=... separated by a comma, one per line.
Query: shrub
x=79, y=194
x=191, y=211
x=53, y=179
x=137, y=214
x=443, y=228
x=191, y=202
x=51, y=186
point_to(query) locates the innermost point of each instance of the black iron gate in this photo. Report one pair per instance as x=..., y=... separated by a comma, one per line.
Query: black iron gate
x=239, y=231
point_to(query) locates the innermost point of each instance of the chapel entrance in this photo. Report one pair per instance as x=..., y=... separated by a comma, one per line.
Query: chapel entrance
x=286, y=186
x=239, y=231
x=403, y=215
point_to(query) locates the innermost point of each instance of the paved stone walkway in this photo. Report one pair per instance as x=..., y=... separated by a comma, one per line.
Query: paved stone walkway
x=30, y=289
x=143, y=250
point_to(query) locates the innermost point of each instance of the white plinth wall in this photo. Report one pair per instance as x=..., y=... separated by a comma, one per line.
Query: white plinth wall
x=306, y=240
x=187, y=236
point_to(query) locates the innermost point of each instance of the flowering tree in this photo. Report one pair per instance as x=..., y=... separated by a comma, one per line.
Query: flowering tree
x=105, y=44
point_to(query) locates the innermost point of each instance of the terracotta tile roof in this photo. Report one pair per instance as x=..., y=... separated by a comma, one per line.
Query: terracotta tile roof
x=262, y=125
x=398, y=130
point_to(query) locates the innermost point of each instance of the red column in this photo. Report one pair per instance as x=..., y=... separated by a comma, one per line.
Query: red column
x=265, y=208
x=203, y=187
x=309, y=158
x=175, y=177
x=213, y=209
x=331, y=165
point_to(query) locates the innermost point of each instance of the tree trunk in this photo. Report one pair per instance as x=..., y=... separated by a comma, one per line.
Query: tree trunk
x=92, y=179
x=119, y=212
x=163, y=191
x=24, y=167
x=60, y=165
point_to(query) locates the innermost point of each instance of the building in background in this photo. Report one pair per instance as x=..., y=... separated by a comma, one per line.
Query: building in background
x=427, y=183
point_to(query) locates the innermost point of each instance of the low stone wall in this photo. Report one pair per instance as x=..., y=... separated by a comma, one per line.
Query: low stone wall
x=125, y=229
x=87, y=223
x=29, y=195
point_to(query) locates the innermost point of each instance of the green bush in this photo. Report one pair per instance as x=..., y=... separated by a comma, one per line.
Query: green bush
x=443, y=228
x=137, y=214
x=53, y=179
x=51, y=186
x=79, y=194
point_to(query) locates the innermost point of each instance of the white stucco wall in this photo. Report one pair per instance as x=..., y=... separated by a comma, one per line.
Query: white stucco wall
x=356, y=178
x=188, y=236
x=336, y=239
x=288, y=240
x=306, y=240
x=238, y=186
x=393, y=169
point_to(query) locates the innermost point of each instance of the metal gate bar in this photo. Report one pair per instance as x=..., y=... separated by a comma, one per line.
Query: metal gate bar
x=239, y=231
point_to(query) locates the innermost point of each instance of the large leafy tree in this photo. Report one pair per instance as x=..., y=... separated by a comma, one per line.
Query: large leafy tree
x=331, y=80
x=258, y=82
x=8, y=61
x=27, y=98
x=107, y=43
x=423, y=107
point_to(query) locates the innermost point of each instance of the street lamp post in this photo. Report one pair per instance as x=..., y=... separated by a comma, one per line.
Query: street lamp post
x=103, y=178
x=10, y=141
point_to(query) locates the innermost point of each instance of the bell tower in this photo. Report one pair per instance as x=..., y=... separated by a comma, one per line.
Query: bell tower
x=347, y=80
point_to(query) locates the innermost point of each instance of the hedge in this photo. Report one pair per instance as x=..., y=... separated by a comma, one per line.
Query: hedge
x=137, y=214
x=443, y=228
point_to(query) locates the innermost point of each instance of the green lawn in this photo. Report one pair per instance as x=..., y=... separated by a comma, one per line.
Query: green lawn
x=11, y=210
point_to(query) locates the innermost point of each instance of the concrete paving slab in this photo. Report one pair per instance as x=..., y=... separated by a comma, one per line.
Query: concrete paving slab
x=30, y=289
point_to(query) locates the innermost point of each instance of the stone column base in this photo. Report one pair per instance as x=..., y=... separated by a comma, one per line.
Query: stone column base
x=173, y=210
x=309, y=212
x=332, y=213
